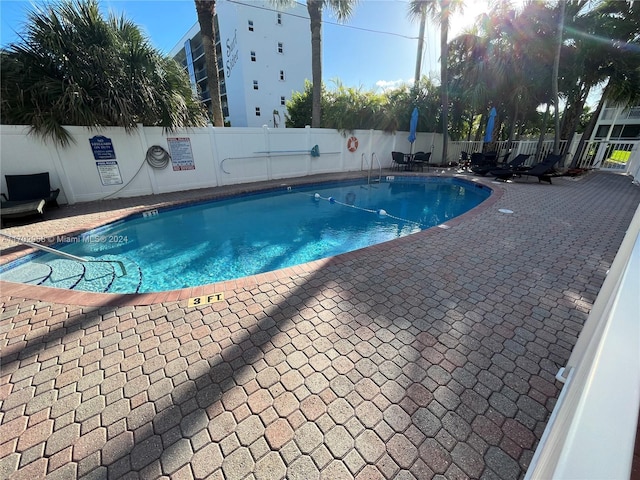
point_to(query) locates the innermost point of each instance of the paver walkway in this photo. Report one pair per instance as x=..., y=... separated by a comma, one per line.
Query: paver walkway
x=429, y=357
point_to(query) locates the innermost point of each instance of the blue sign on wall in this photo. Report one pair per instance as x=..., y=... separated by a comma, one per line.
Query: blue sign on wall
x=102, y=148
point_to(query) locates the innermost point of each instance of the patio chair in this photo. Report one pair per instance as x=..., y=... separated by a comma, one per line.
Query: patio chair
x=421, y=159
x=399, y=160
x=543, y=170
x=29, y=188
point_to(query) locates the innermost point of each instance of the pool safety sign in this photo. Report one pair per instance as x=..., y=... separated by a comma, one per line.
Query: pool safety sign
x=109, y=172
x=205, y=299
x=181, y=154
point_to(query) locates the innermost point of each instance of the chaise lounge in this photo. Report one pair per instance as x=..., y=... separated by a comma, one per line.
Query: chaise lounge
x=543, y=170
x=27, y=195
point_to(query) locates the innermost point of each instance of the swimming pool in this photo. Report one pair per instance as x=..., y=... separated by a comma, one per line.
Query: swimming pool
x=212, y=241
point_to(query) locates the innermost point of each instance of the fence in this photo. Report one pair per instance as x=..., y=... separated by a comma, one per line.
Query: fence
x=610, y=155
x=526, y=147
x=617, y=156
x=110, y=163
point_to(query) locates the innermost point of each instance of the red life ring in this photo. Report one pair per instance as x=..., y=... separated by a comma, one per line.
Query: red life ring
x=352, y=144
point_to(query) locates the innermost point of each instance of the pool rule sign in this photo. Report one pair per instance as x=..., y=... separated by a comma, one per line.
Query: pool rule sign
x=181, y=154
x=105, y=157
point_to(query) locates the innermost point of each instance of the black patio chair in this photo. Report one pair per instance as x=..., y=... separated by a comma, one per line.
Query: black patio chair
x=399, y=160
x=420, y=159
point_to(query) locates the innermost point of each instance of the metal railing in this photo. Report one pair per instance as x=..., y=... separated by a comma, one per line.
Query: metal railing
x=374, y=156
x=68, y=256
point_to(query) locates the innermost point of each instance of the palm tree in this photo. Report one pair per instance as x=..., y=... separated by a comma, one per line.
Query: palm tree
x=554, y=84
x=206, y=13
x=619, y=60
x=71, y=66
x=439, y=10
x=342, y=9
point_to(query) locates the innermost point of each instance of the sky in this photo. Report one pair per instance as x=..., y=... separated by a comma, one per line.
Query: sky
x=375, y=49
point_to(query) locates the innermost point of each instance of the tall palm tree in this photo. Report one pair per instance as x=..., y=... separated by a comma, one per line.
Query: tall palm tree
x=619, y=60
x=342, y=9
x=554, y=81
x=439, y=10
x=206, y=13
x=71, y=66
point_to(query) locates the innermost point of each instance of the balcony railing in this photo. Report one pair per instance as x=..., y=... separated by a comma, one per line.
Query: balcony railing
x=612, y=113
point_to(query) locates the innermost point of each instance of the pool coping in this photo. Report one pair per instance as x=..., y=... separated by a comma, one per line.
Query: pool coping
x=94, y=299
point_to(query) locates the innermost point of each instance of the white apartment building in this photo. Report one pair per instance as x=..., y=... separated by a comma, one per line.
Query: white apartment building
x=618, y=123
x=264, y=55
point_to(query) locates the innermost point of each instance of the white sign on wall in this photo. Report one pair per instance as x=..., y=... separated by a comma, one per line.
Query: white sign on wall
x=109, y=172
x=181, y=154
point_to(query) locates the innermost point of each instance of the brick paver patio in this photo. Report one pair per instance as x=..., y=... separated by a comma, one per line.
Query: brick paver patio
x=432, y=356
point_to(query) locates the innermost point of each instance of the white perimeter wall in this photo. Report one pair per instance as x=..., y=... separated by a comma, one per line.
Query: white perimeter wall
x=222, y=156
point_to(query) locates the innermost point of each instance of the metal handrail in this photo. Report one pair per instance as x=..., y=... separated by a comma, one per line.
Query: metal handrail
x=62, y=254
x=373, y=155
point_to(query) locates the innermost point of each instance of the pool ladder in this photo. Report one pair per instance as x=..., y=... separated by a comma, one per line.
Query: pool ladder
x=373, y=157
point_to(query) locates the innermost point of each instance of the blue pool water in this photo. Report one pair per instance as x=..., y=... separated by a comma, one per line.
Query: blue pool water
x=239, y=236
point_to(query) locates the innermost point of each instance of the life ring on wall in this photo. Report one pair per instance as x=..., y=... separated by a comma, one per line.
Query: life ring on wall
x=352, y=144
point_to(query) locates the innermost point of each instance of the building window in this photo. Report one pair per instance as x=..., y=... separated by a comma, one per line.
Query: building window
x=279, y=19
x=281, y=74
x=255, y=84
x=280, y=47
x=283, y=101
x=251, y=25
x=257, y=111
x=253, y=56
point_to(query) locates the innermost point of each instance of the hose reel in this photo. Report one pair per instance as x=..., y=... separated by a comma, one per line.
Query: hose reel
x=157, y=157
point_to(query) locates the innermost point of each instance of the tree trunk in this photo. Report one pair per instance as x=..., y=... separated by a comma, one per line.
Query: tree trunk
x=444, y=93
x=423, y=20
x=206, y=10
x=314, y=7
x=543, y=131
x=554, y=84
x=574, y=119
x=586, y=136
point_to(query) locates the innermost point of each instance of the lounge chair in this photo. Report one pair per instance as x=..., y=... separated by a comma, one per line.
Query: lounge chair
x=514, y=165
x=399, y=160
x=11, y=210
x=29, y=188
x=482, y=163
x=543, y=170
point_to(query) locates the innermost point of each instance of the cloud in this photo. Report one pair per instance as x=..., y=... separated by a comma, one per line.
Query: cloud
x=391, y=84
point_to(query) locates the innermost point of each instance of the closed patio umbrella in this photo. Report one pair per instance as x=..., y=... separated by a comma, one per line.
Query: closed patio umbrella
x=490, y=124
x=413, y=126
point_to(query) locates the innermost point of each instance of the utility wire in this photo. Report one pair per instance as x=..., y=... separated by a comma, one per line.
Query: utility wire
x=324, y=21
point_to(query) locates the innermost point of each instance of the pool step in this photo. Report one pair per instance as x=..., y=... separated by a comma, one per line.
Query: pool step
x=103, y=277
x=64, y=274
x=34, y=275
x=107, y=277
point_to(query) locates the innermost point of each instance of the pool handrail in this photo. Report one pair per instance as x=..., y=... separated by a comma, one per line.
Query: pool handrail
x=69, y=256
